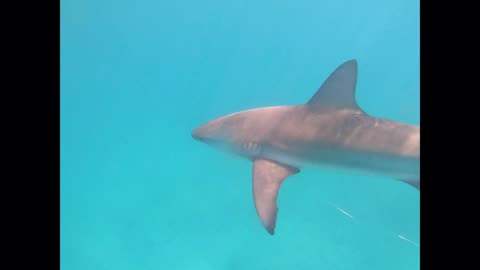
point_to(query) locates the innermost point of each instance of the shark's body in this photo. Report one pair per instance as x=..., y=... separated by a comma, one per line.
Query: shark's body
x=329, y=131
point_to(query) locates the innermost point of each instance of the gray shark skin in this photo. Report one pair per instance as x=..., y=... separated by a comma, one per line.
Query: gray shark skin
x=329, y=131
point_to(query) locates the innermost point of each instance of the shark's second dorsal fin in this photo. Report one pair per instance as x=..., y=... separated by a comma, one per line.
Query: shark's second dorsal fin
x=338, y=91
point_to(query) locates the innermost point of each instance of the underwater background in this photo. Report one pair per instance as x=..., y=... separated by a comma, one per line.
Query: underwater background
x=137, y=192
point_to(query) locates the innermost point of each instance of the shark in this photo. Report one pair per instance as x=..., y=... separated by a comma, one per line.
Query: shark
x=328, y=131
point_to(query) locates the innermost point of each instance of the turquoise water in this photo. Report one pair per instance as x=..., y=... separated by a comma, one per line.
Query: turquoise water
x=137, y=192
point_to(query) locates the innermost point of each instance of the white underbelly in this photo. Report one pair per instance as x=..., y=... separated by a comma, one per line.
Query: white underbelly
x=393, y=168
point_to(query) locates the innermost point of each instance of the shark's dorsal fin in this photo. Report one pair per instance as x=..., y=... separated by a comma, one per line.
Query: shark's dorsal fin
x=338, y=91
x=267, y=178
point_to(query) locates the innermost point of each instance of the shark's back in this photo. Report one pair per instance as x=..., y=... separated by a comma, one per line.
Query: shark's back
x=349, y=139
x=332, y=130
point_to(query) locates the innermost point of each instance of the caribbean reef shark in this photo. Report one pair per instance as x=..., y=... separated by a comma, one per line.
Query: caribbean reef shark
x=329, y=131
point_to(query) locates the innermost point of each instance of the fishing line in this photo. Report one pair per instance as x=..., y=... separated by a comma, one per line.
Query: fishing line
x=382, y=228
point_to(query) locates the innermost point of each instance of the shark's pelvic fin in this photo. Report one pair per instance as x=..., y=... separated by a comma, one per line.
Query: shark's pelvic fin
x=267, y=178
x=413, y=182
x=338, y=91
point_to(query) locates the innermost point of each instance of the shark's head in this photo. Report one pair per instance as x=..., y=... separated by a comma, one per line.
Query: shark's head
x=232, y=133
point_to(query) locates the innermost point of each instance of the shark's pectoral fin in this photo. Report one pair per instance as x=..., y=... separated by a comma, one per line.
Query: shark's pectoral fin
x=338, y=90
x=267, y=178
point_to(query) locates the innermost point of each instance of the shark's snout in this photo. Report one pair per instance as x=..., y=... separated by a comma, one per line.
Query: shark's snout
x=197, y=134
x=201, y=133
x=210, y=133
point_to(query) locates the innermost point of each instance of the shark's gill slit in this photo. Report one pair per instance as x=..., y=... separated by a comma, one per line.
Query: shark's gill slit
x=251, y=148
